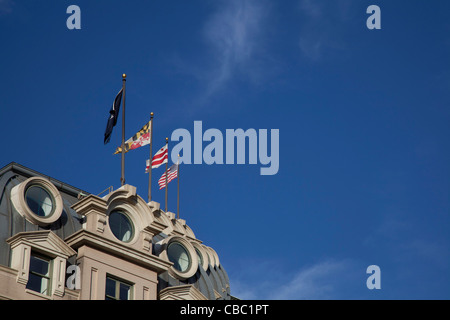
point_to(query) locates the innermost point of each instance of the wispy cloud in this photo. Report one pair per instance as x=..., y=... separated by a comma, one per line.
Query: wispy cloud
x=234, y=49
x=234, y=35
x=5, y=6
x=328, y=279
x=311, y=8
x=319, y=281
x=321, y=27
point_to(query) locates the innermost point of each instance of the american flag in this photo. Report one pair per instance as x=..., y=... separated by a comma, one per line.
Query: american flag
x=172, y=174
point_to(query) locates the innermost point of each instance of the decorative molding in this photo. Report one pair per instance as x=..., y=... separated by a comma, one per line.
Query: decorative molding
x=126, y=191
x=184, y=292
x=217, y=295
x=140, y=257
x=203, y=253
x=162, y=218
x=19, y=201
x=45, y=241
x=213, y=257
x=90, y=204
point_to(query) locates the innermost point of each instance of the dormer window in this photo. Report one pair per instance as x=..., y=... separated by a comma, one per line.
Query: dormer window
x=121, y=226
x=183, y=256
x=180, y=256
x=39, y=201
x=40, y=260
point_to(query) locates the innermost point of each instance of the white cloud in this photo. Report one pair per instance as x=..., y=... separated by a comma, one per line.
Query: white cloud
x=243, y=291
x=331, y=279
x=234, y=35
x=319, y=281
x=236, y=50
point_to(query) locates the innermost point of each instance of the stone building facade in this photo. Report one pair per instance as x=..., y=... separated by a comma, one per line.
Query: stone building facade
x=62, y=243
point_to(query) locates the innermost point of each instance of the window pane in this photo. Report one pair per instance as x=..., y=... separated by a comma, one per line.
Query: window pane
x=110, y=289
x=39, y=266
x=39, y=201
x=44, y=285
x=179, y=256
x=34, y=282
x=38, y=278
x=124, y=291
x=121, y=226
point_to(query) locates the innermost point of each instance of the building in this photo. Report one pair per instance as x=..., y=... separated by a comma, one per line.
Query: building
x=62, y=243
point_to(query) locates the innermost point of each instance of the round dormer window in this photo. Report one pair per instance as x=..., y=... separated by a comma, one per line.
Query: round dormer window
x=39, y=201
x=180, y=256
x=121, y=226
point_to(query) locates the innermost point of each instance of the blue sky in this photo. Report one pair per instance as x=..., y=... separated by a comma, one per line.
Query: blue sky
x=363, y=116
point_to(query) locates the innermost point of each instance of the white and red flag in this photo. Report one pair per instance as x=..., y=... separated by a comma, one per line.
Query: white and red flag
x=158, y=159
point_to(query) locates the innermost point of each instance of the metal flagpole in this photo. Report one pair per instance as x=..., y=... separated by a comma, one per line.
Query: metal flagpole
x=167, y=143
x=150, y=168
x=178, y=187
x=122, y=178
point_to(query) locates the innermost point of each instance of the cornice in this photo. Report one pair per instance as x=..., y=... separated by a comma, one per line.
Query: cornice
x=45, y=241
x=183, y=292
x=84, y=237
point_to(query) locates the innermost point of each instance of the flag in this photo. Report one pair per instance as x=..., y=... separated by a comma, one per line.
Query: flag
x=158, y=159
x=172, y=174
x=113, y=115
x=141, y=138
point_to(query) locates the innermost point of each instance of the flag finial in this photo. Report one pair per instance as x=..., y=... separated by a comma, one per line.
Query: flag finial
x=124, y=76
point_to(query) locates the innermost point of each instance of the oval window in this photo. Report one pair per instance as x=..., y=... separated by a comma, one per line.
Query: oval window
x=180, y=257
x=121, y=226
x=39, y=201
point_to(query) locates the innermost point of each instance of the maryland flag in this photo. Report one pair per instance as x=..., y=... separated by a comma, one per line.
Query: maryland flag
x=141, y=138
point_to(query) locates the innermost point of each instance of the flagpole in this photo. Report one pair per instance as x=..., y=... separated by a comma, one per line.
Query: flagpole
x=178, y=187
x=150, y=168
x=122, y=178
x=167, y=144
